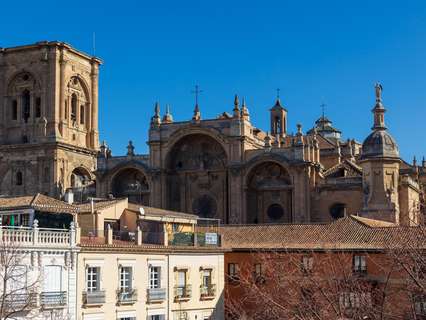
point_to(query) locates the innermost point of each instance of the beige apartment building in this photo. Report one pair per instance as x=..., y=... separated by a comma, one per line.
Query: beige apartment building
x=141, y=282
x=146, y=263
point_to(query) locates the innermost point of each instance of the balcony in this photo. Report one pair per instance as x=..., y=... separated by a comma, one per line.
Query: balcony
x=182, y=293
x=53, y=299
x=128, y=296
x=156, y=295
x=93, y=298
x=207, y=292
x=21, y=301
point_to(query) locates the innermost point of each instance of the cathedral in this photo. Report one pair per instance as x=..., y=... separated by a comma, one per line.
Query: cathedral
x=223, y=168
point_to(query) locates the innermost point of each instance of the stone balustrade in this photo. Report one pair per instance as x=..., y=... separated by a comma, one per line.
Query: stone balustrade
x=35, y=236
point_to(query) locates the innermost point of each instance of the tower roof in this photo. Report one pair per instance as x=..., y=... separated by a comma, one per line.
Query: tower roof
x=379, y=143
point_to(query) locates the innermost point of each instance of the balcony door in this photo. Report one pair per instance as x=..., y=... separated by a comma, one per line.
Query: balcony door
x=52, y=279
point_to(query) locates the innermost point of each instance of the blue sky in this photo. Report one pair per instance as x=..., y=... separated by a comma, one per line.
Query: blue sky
x=314, y=51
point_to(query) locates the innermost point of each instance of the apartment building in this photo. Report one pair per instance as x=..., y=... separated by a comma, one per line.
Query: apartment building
x=38, y=272
x=165, y=268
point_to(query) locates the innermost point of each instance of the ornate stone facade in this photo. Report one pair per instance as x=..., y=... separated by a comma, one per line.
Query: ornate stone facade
x=223, y=168
x=226, y=168
x=49, y=118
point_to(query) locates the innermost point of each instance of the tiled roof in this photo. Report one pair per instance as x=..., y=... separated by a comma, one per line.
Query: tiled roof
x=161, y=212
x=350, y=233
x=38, y=202
x=98, y=204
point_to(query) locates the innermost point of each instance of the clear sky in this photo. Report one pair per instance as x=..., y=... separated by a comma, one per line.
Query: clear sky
x=314, y=51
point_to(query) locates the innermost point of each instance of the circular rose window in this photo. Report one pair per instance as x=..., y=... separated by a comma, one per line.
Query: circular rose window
x=275, y=212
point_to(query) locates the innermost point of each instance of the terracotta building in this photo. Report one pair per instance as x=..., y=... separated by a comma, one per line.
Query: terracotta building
x=353, y=268
x=224, y=168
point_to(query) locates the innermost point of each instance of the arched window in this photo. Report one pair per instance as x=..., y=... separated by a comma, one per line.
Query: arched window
x=338, y=210
x=19, y=178
x=81, y=114
x=38, y=107
x=14, y=110
x=66, y=110
x=26, y=105
x=74, y=107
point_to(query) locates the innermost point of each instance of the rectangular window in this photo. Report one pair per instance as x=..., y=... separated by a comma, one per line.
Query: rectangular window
x=126, y=279
x=258, y=269
x=360, y=264
x=233, y=271
x=93, y=279
x=52, y=279
x=307, y=263
x=420, y=306
x=157, y=317
x=355, y=300
x=207, y=278
x=154, y=277
x=181, y=276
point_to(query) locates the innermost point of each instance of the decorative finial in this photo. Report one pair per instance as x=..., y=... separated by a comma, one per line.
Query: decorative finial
x=197, y=114
x=244, y=110
x=278, y=93
x=156, y=120
x=379, y=110
x=424, y=162
x=236, y=109
x=379, y=90
x=299, y=129
x=168, y=118
x=130, y=149
x=323, y=105
x=414, y=161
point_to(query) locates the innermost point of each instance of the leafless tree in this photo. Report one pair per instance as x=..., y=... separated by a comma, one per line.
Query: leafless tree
x=308, y=285
x=19, y=283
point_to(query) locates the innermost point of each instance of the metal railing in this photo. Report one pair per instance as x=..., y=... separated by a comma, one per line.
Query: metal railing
x=93, y=297
x=182, y=292
x=208, y=291
x=53, y=299
x=19, y=301
x=200, y=239
x=128, y=296
x=156, y=294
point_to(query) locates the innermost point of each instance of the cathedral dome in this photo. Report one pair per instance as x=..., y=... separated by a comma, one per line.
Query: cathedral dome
x=379, y=144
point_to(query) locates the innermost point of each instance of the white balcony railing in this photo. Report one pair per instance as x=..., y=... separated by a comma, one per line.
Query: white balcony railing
x=38, y=236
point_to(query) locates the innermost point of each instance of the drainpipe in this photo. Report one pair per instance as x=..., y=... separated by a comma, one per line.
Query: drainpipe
x=168, y=286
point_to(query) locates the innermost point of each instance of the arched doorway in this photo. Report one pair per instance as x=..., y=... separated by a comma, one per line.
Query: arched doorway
x=269, y=194
x=133, y=184
x=197, y=177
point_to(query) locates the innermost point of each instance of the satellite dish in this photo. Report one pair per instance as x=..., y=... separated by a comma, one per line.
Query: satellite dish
x=142, y=211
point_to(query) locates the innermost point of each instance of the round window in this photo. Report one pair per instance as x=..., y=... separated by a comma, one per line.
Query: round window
x=275, y=212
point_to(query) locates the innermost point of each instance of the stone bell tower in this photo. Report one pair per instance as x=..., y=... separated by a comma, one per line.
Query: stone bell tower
x=278, y=119
x=380, y=165
x=49, y=118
